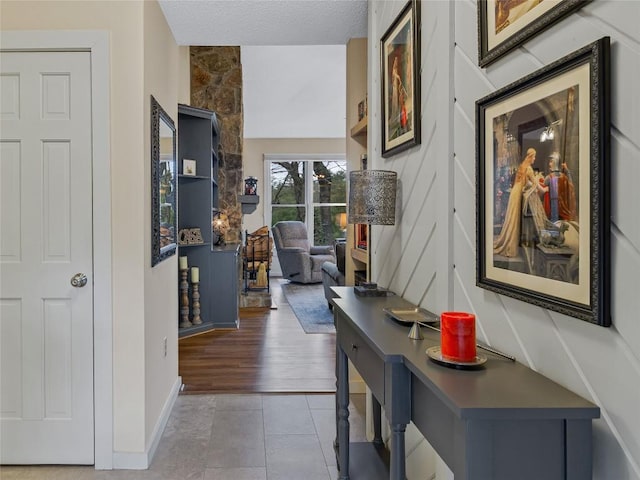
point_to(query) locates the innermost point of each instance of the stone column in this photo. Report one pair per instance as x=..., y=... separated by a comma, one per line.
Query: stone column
x=216, y=84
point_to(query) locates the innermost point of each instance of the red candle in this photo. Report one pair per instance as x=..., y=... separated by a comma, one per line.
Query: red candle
x=458, y=336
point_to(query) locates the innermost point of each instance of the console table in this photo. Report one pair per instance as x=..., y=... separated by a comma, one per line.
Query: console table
x=501, y=422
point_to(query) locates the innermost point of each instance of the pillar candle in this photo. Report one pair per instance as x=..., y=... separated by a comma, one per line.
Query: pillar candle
x=182, y=263
x=458, y=336
x=195, y=275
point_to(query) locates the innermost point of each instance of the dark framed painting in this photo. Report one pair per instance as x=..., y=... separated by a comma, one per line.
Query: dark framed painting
x=542, y=187
x=400, y=72
x=504, y=25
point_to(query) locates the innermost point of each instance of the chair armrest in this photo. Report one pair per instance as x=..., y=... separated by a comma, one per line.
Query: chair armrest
x=321, y=250
x=292, y=250
x=341, y=248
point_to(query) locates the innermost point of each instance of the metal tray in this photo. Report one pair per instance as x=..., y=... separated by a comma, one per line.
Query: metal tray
x=435, y=354
x=412, y=315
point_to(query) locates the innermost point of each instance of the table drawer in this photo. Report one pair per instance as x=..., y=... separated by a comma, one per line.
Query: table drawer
x=369, y=365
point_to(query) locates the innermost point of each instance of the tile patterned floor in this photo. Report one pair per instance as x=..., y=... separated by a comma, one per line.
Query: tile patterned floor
x=233, y=437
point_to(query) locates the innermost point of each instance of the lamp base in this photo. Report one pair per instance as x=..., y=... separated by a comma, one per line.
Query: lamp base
x=369, y=289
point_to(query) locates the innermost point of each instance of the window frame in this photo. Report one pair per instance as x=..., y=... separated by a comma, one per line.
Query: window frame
x=309, y=204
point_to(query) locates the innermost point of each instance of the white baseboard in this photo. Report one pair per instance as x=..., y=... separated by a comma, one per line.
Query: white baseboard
x=142, y=460
x=130, y=461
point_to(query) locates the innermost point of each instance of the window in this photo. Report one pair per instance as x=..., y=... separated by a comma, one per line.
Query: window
x=311, y=189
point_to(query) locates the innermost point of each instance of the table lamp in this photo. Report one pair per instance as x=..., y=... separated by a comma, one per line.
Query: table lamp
x=341, y=220
x=372, y=201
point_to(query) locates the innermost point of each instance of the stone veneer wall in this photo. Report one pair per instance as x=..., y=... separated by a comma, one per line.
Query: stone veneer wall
x=216, y=84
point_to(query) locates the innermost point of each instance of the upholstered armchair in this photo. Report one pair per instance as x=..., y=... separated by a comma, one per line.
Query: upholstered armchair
x=300, y=261
x=333, y=273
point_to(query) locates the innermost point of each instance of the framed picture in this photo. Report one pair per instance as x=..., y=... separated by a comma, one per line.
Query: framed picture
x=400, y=70
x=506, y=24
x=542, y=187
x=163, y=184
x=362, y=111
x=362, y=231
x=188, y=167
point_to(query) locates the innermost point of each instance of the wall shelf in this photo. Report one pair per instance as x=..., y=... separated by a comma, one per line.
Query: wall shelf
x=360, y=128
x=193, y=177
x=249, y=203
x=360, y=255
x=192, y=245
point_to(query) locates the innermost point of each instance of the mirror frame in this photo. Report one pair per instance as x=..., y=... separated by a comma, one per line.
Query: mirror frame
x=159, y=252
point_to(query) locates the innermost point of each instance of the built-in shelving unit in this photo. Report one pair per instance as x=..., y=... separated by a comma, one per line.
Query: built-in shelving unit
x=360, y=242
x=198, y=139
x=357, y=261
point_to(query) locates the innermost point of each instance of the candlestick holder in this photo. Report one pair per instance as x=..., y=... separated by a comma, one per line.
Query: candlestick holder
x=184, y=299
x=196, y=320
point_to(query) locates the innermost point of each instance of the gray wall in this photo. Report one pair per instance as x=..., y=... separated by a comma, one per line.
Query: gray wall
x=436, y=228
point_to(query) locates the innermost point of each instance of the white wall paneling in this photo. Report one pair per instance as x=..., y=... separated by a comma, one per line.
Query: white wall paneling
x=436, y=226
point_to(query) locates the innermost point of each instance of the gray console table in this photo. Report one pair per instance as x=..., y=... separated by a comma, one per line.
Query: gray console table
x=501, y=422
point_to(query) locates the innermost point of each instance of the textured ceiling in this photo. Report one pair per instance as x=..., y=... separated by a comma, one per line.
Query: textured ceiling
x=265, y=22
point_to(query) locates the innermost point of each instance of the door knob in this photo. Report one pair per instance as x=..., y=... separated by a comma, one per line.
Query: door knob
x=79, y=280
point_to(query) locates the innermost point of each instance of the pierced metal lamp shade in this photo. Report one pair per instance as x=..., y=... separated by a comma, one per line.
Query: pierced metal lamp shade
x=372, y=197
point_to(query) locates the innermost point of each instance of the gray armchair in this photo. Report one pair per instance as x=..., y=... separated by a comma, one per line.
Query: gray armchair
x=333, y=273
x=300, y=261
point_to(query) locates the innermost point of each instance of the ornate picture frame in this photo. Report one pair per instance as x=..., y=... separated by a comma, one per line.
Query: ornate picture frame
x=543, y=236
x=505, y=25
x=163, y=185
x=400, y=81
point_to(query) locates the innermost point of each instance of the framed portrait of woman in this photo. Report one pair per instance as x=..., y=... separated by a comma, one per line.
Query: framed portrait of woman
x=400, y=71
x=504, y=25
x=542, y=186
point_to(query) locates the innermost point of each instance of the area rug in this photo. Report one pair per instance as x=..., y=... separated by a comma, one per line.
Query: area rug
x=310, y=307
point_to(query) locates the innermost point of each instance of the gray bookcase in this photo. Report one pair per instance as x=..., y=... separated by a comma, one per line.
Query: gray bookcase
x=198, y=139
x=225, y=261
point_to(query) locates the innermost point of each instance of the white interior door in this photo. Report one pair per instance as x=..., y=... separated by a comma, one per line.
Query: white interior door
x=46, y=324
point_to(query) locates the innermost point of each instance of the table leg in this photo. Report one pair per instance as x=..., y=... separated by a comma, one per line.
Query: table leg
x=342, y=394
x=336, y=446
x=397, y=452
x=578, y=448
x=377, y=421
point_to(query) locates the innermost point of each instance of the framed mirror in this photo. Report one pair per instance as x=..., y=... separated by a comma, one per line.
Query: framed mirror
x=163, y=184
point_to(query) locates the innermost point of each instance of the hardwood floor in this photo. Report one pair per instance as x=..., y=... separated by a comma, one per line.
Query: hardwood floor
x=269, y=353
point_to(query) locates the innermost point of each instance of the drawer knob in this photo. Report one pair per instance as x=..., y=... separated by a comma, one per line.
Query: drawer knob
x=354, y=346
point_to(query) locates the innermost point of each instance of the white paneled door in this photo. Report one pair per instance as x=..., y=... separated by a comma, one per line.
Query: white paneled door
x=46, y=323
